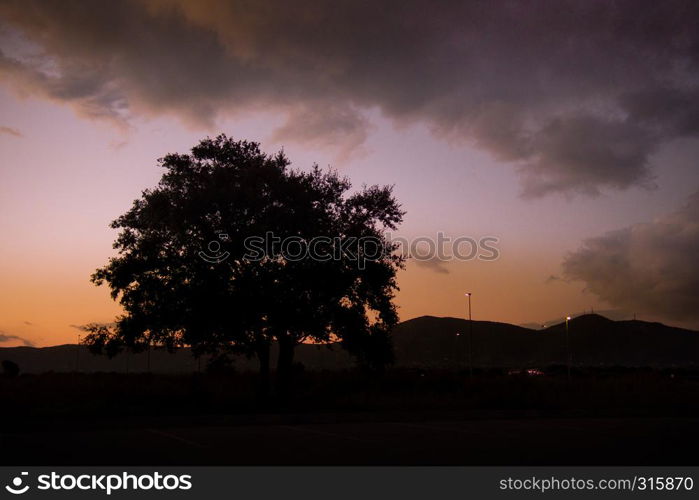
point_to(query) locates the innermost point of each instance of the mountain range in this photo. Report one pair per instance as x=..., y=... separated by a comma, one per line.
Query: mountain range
x=429, y=342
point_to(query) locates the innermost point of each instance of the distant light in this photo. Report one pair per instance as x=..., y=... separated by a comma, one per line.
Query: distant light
x=567, y=318
x=468, y=294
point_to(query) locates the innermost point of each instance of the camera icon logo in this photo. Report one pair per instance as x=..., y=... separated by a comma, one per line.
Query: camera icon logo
x=214, y=254
x=16, y=487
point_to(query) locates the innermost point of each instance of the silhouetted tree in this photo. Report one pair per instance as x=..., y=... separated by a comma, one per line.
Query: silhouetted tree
x=10, y=369
x=243, y=300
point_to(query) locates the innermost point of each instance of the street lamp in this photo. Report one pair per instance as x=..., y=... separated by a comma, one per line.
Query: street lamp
x=470, y=337
x=570, y=358
x=457, y=356
x=77, y=355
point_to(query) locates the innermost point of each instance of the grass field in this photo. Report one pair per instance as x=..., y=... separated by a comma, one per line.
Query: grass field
x=599, y=417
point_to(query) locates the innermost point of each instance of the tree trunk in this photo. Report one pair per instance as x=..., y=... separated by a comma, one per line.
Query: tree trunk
x=264, y=380
x=285, y=365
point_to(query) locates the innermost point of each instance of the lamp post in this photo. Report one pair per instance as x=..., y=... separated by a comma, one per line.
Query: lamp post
x=77, y=355
x=455, y=351
x=570, y=359
x=470, y=337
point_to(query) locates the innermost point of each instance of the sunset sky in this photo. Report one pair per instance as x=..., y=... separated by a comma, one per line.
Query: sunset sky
x=567, y=131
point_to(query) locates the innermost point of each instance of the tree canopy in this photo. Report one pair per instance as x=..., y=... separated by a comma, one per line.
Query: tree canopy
x=234, y=250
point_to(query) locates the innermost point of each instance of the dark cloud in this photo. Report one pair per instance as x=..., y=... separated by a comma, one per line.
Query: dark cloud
x=10, y=131
x=670, y=112
x=6, y=337
x=649, y=268
x=553, y=278
x=337, y=126
x=84, y=328
x=434, y=264
x=577, y=94
x=587, y=152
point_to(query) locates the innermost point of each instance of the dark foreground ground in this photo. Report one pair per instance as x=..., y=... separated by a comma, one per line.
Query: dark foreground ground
x=491, y=441
x=617, y=417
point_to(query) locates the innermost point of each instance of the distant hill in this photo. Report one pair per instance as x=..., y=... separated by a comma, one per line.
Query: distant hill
x=595, y=341
x=430, y=342
x=614, y=314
